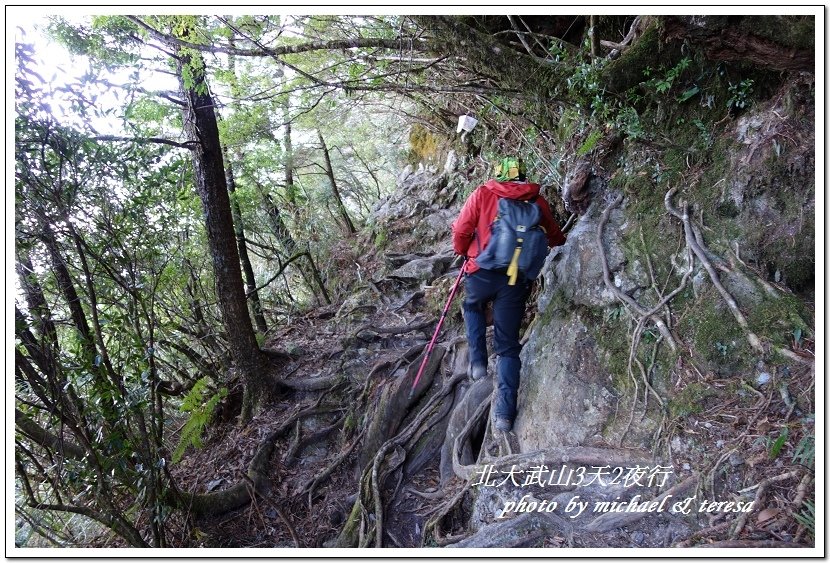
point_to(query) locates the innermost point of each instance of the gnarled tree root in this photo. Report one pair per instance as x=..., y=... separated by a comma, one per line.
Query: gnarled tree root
x=626, y=299
x=364, y=526
x=612, y=520
x=254, y=482
x=526, y=530
x=696, y=245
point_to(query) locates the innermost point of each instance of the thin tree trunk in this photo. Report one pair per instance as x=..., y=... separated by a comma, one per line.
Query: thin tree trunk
x=288, y=149
x=318, y=279
x=201, y=128
x=40, y=435
x=250, y=279
x=38, y=306
x=594, y=21
x=335, y=190
x=247, y=269
x=288, y=243
x=369, y=170
x=67, y=289
x=278, y=226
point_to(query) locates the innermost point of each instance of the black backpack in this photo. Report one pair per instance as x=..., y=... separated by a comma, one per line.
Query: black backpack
x=517, y=240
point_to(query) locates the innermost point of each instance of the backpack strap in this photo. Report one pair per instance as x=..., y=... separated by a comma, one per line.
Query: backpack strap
x=513, y=268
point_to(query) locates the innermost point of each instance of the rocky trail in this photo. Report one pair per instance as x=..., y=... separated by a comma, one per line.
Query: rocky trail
x=357, y=460
x=224, y=312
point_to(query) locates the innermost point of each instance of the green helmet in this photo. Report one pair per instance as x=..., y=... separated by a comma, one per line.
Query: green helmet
x=510, y=168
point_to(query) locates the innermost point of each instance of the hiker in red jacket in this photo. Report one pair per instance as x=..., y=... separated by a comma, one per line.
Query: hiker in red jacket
x=506, y=287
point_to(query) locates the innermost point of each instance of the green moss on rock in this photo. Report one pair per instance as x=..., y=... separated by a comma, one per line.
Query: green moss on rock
x=627, y=71
x=789, y=31
x=774, y=320
x=690, y=399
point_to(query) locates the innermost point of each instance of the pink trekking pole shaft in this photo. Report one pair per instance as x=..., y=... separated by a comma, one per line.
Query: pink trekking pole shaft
x=438, y=328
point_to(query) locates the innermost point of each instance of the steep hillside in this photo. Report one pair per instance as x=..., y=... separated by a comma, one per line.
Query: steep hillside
x=672, y=335
x=227, y=322
x=668, y=352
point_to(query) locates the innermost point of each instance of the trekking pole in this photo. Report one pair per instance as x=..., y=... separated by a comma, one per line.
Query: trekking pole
x=438, y=328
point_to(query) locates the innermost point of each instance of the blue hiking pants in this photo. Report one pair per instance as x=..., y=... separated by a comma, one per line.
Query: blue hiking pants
x=509, y=301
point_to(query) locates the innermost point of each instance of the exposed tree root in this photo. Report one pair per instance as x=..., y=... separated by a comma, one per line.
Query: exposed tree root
x=525, y=530
x=643, y=316
x=705, y=533
x=312, y=438
x=617, y=48
x=278, y=510
x=762, y=487
x=626, y=299
x=361, y=530
x=394, y=403
x=310, y=486
x=428, y=495
x=612, y=520
x=432, y=529
x=312, y=383
x=467, y=471
x=255, y=480
x=695, y=244
x=573, y=455
x=396, y=329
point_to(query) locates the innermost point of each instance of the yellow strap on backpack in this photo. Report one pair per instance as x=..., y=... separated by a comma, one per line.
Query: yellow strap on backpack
x=513, y=268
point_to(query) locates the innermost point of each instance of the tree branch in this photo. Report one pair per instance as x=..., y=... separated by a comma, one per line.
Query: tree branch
x=263, y=51
x=43, y=437
x=158, y=140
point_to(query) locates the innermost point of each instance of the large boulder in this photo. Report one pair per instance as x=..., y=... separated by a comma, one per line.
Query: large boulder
x=565, y=396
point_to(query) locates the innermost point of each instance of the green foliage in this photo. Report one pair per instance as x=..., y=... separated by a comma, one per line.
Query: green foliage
x=739, y=94
x=193, y=70
x=688, y=94
x=103, y=41
x=589, y=143
x=200, y=404
x=666, y=78
x=705, y=134
x=807, y=517
x=805, y=451
x=585, y=83
x=628, y=121
x=557, y=53
x=778, y=444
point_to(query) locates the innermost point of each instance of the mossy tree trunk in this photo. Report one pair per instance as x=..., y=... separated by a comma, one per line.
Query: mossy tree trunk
x=245, y=260
x=774, y=42
x=209, y=172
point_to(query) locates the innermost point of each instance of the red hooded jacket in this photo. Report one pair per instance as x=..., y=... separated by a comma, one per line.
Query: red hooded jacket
x=480, y=211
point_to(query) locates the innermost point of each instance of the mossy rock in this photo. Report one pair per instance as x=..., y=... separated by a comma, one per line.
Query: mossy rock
x=691, y=399
x=708, y=325
x=627, y=71
x=775, y=320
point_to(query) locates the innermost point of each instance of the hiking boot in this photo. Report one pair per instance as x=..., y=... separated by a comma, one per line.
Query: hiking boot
x=504, y=424
x=476, y=371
